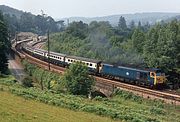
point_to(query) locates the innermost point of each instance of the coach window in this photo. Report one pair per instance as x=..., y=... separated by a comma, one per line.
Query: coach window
x=90, y=64
x=87, y=63
x=71, y=60
x=68, y=59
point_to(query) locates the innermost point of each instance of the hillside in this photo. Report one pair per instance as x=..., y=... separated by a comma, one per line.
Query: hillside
x=14, y=108
x=26, y=22
x=113, y=19
x=11, y=11
x=176, y=17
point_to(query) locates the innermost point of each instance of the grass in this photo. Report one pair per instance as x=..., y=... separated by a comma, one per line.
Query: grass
x=14, y=108
x=123, y=106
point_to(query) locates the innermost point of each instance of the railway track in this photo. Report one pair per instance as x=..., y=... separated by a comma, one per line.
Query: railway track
x=111, y=84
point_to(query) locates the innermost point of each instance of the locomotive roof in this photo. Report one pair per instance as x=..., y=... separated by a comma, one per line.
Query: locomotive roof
x=84, y=59
x=140, y=70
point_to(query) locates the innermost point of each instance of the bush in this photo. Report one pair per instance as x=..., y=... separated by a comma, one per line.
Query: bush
x=77, y=80
x=27, y=82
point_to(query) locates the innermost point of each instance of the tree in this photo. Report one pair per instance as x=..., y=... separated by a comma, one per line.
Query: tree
x=132, y=25
x=78, y=29
x=4, y=45
x=140, y=25
x=76, y=79
x=122, y=23
x=162, y=47
x=116, y=40
x=61, y=25
x=138, y=39
x=146, y=26
x=26, y=22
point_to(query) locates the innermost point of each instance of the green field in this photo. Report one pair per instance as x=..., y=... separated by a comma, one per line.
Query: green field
x=18, y=109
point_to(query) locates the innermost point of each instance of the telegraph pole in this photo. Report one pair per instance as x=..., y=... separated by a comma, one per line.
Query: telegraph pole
x=49, y=66
x=16, y=38
x=48, y=51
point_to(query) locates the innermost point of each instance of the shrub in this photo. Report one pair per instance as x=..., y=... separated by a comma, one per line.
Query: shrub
x=27, y=82
x=77, y=80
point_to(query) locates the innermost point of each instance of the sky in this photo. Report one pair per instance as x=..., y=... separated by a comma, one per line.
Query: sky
x=92, y=8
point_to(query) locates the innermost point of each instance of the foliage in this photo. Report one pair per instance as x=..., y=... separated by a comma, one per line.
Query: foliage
x=44, y=79
x=77, y=29
x=28, y=22
x=122, y=23
x=4, y=46
x=141, y=46
x=27, y=82
x=100, y=37
x=124, y=106
x=161, y=47
x=138, y=39
x=76, y=79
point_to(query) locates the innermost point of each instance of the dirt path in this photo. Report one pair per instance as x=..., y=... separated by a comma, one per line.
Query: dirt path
x=16, y=69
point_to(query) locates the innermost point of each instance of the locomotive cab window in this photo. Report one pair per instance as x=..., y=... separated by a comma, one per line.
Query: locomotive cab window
x=152, y=74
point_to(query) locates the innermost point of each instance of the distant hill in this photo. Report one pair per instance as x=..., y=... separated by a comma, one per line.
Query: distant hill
x=11, y=11
x=176, y=17
x=113, y=19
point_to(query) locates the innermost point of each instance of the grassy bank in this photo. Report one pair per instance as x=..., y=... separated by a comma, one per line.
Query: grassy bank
x=14, y=108
x=123, y=106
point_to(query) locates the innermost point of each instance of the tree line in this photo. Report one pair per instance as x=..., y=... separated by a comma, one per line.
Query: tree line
x=30, y=23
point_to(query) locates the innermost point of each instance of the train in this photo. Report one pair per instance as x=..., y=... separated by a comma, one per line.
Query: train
x=146, y=77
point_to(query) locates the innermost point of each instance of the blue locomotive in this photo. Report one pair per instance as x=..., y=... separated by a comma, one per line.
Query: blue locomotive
x=149, y=77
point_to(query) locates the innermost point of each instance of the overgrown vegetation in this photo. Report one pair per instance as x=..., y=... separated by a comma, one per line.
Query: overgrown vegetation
x=134, y=45
x=77, y=80
x=27, y=22
x=42, y=78
x=27, y=82
x=124, y=106
x=4, y=46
